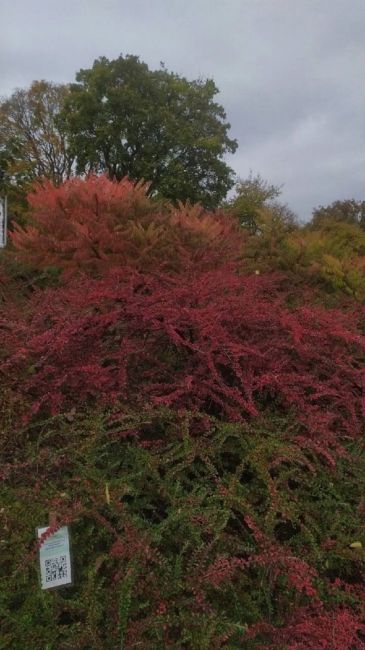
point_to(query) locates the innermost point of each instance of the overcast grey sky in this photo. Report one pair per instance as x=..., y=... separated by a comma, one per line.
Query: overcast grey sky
x=290, y=72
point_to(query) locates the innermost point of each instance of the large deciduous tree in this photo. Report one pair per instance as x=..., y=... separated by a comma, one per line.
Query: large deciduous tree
x=32, y=139
x=33, y=142
x=128, y=120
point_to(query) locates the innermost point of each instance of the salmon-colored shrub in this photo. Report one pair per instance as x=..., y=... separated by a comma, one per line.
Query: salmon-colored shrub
x=87, y=226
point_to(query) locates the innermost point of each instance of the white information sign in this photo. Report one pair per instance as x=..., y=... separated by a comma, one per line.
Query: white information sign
x=55, y=558
x=3, y=221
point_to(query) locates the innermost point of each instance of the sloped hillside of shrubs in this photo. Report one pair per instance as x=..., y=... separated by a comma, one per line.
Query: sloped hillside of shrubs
x=196, y=418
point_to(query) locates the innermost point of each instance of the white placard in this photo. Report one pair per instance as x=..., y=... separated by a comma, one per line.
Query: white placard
x=55, y=558
x=3, y=221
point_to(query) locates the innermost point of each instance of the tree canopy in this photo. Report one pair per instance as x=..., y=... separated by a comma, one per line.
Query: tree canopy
x=253, y=198
x=33, y=142
x=126, y=119
x=348, y=211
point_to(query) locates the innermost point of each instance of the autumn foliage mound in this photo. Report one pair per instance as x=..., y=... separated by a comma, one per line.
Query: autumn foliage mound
x=88, y=227
x=216, y=343
x=200, y=427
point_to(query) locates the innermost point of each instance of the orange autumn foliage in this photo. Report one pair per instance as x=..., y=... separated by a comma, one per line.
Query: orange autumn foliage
x=88, y=226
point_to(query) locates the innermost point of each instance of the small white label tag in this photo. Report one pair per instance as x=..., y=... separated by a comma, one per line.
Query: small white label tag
x=55, y=558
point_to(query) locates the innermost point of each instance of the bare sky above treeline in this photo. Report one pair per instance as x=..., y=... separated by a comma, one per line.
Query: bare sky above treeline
x=290, y=73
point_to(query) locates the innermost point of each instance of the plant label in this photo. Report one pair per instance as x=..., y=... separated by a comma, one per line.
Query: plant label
x=55, y=558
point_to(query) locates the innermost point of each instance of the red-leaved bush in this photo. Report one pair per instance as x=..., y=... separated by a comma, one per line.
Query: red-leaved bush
x=87, y=226
x=314, y=629
x=216, y=342
x=198, y=426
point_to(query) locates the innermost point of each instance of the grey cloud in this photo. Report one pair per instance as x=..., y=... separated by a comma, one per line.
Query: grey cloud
x=289, y=71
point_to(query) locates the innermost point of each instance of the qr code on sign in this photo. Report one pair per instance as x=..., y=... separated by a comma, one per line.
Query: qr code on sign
x=56, y=568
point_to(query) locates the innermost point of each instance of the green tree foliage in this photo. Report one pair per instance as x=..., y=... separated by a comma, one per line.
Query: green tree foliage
x=251, y=195
x=349, y=211
x=252, y=202
x=265, y=220
x=328, y=253
x=128, y=120
x=33, y=143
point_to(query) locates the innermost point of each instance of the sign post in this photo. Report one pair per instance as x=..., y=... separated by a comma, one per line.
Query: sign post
x=3, y=220
x=55, y=558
